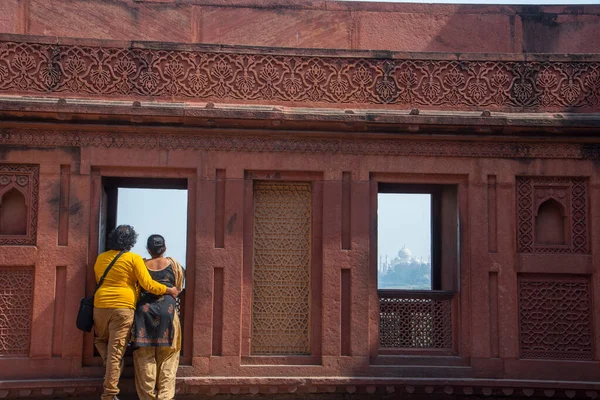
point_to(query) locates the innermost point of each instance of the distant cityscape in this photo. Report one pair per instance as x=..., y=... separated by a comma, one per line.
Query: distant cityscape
x=404, y=271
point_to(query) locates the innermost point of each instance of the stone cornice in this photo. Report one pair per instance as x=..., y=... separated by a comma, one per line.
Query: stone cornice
x=141, y=116
x=301, y=78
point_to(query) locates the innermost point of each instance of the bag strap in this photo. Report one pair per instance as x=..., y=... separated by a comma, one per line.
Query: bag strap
x=108, y=269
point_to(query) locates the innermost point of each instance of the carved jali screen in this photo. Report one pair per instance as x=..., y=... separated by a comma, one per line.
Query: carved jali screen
x=281, y=268
x=16, y=301
x=555, y=317
x=415, y=323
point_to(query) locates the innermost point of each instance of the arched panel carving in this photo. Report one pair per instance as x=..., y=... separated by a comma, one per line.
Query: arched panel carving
x=19, y=185
x=550, y=196
x=550, y=224
x=13, y=213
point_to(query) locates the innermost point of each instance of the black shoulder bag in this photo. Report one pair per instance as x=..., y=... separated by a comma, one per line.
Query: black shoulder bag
x=85, y=315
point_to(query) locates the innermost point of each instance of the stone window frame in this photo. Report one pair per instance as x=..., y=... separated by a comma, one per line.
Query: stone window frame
x=98, y=176
x=448, y=283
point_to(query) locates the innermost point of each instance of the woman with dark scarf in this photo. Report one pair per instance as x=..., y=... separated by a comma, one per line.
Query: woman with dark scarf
x=157, y=331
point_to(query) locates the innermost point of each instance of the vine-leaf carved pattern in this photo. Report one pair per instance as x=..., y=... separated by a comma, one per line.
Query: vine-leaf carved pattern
x=16, y=302
x=88, y=71
x=281, y=270
x=555, y=317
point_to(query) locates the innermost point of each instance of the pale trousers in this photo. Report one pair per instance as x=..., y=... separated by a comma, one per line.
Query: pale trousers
x=156, y=368
x=113, y=328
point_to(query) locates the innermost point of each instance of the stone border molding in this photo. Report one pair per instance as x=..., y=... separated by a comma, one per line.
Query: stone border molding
x=379, y=147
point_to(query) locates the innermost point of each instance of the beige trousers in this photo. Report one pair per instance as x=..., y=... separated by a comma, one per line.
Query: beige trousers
x=113, y=327
x=156, y=368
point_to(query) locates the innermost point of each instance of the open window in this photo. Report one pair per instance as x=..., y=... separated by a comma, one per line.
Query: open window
x=151, y=206
x=417, y=268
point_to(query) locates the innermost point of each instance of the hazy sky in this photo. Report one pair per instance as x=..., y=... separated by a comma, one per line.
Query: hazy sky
x=404, y=220
x=156, y=211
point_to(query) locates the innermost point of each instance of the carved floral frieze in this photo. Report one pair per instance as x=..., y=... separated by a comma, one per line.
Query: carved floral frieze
x=134, y=73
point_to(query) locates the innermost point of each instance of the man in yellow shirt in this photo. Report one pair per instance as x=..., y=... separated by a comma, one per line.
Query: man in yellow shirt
x=115, y=302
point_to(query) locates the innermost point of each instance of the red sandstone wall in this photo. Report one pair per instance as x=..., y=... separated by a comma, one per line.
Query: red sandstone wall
x=495, y=259
x=499, y=264
x=315, y=24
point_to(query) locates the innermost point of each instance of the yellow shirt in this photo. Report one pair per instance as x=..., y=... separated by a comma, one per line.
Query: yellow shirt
x=118, y=289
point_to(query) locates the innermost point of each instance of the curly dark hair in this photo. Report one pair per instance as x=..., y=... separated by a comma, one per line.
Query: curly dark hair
x=122, y=238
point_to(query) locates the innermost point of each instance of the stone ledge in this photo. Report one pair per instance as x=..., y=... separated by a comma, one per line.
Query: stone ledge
x=295, y=51
x=276, y=117
x=317, y=385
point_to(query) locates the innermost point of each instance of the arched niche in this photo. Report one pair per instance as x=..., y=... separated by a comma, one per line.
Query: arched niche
x=550, y=224
x=13, y=213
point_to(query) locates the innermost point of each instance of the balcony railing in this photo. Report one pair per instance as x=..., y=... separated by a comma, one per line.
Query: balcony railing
x=415, y=320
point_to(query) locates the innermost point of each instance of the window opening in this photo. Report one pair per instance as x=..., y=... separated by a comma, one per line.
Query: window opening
x=417, y=268
x=150, y=211
x=404, y=241
x=150, y=205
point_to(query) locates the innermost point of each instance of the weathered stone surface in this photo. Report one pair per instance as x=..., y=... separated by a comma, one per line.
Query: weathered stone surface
x=507, y=142
x=120, y=20
x=276, y=27
x=315, y=24
x=9, y=16
x=436, y=32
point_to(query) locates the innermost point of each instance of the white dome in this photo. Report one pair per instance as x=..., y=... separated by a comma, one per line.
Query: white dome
x=404, y=254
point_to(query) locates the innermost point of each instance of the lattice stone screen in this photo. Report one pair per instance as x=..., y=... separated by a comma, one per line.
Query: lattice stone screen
x=16, y=301
x=281, y=268
x=555, y=317
x=406, y=322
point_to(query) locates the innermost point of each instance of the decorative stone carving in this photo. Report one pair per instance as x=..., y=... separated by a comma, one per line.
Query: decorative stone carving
x=16, y=302
x=19, y=185
x=300, y=79
x=415, y=323
x=569, y=193
x=281, y=268
x=555, y=317
x=381, y=147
